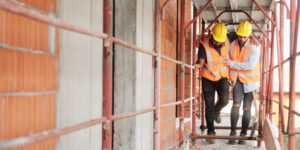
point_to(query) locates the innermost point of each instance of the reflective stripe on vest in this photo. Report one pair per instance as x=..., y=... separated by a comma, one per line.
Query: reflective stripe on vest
x=209, y=59
x=216, y=72
x=227, y=44
x=246, y=58
x=232, y=46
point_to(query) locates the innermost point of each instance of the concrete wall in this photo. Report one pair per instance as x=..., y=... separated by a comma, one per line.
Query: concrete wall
x=80, y=74
x=133, y=74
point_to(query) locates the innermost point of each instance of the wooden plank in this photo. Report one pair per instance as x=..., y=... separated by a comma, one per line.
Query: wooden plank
x=269, y=136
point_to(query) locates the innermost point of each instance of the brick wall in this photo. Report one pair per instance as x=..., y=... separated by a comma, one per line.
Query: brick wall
x=29, y=74
x=168, y=75
x=168, y=133
x=188, y=46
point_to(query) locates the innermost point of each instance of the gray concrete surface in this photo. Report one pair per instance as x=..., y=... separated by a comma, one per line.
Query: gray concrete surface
x=80, y=74
x=133, y=74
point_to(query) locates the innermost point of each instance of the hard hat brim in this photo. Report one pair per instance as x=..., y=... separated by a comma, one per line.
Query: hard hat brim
x=243, y=35
x=222, y=39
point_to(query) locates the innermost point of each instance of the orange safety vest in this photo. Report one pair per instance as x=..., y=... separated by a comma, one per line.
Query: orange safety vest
x=214, y=68
x=245, y=76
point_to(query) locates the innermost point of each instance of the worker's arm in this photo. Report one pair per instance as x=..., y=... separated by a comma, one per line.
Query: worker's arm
x=200, y=64
x=249, y=65
x=201, y=57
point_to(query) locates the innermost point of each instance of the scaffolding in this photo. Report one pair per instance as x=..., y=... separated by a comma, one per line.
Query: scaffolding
x=266, y=91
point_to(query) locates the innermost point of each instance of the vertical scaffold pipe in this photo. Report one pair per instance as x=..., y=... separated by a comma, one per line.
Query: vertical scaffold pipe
x=181, y=81
x=293, y=46
x=194, y=74
x=157, y=40
x=107, y=78
x=280, y=39
x=262, y=89
x=270, y=83
x=201, y=100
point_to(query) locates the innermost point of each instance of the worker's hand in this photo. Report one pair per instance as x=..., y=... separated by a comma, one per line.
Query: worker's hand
x=197, y=66
x=227, y=61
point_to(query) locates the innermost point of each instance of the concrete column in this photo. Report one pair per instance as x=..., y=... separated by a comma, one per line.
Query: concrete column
x=80, y=74
x=133, y=74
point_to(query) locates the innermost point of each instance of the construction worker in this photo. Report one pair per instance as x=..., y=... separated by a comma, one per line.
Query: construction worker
x=244, y=74
x=212, y=52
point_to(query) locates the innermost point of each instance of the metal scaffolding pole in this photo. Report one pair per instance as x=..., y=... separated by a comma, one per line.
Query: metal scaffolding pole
x=107, y=79
x=294, y=23
x=157, y=40
x=267, y=54
x=201, y=99
x=194, y=73
x=280, y=39
x=270, y=83
x=181, y=81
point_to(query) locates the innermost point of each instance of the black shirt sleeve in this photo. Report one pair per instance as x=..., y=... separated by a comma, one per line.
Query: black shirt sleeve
x=201, y=53
x=232, y=36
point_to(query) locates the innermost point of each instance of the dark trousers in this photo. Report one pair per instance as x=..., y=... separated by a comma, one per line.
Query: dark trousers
x=209, y=89
x=238, y=97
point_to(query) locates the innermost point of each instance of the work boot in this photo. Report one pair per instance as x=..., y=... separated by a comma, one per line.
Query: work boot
x=210, y=141
x=242, y=142
x=217, y=117
x=231, y=141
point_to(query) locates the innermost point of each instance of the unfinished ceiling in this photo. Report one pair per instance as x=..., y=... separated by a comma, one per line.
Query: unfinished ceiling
x=217, y=6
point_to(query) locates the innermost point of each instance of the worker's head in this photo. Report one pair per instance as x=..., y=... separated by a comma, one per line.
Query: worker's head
x=219, y=34
x=243, y=31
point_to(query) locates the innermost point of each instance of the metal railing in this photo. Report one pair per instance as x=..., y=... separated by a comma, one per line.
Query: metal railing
x=109, y=40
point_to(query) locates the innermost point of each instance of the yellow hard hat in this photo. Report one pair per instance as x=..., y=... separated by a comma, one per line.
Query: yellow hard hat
x=244, y=29
x=219, y=32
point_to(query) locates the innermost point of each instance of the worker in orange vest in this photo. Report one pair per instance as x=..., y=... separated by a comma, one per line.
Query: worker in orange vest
x=245, y=76
x=212, y=51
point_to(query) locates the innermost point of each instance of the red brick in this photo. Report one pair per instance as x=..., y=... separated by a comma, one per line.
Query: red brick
x=187, y=14
x=26, y=33
x=45, y=5
x=163, y=46
x=33, y=79
x=40, y=72
x=167, y=113
x=163, y=65
x=1, y=118
x=172, y=138
x=11, y=63
x=163, y=80
x=174, y=95
x=2, y=26
x=164, y=129
x=27, y=114
x=163, y=144
x=57, y=50
x=163, y=96
x=169, y=49
x=51, y=73
x=173, y=123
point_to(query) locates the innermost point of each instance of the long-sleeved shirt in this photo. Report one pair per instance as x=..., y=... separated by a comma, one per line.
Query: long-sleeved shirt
x=248, y=65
